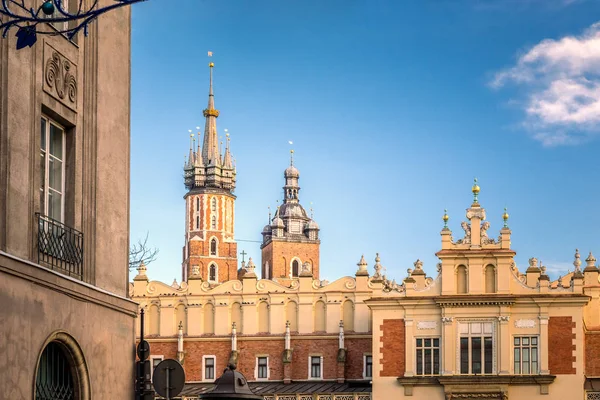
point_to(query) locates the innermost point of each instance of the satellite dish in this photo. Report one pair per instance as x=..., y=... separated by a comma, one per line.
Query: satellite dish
x=168, y=378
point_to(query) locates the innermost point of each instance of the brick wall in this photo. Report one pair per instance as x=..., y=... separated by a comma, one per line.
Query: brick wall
x=392, y=348
x=592, y=353
x=561, y=345
x=250, y=349
x=280, y=254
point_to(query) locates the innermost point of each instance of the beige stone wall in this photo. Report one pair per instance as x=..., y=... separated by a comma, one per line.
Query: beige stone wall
x=94, y=110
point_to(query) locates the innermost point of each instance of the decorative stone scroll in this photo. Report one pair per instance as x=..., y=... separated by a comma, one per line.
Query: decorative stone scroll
x=447, y=320
x=426, y=325
x=525, y=323
x=60, y=77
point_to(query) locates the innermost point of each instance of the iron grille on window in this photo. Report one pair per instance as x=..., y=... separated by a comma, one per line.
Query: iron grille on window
x=54, y=380
x=60, y=246
x=428, y=356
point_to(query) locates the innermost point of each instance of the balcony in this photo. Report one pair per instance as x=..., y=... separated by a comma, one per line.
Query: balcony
x=60, y=247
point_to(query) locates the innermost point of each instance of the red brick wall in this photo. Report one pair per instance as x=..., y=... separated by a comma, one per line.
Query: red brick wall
x=561, y=345
x=592, y=353
x=250, y=349
x=280, y=254
x=392, y=347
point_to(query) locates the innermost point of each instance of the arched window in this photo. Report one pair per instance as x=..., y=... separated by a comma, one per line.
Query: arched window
x=319, y=317
x=348, y=313
x=213, y=205
x=291, y=315
x=213, y=222
x=263, y=317
x=461, y=279
x=153, y=320
x=197, y=203
x=212, y=273
x=213, y=247
x=295, y=268
x=209, y=319
x=198, y=222
x=490, y=279
x=54, y=378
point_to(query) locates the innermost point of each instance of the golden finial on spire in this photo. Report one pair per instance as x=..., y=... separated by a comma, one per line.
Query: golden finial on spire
x=505, y=218
x=210, y=64
x=475, y=189
x=445, y=218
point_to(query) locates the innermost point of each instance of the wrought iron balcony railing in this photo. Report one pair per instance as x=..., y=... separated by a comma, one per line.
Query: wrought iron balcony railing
x=60, y=247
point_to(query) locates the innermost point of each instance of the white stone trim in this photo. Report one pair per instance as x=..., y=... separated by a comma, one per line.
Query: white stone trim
x=256, y=368
x=152, y=358
x=299, y=266
x=210, y=248
x=204, y=368
x=216, y=273
x=364, y=374
x=310, y=356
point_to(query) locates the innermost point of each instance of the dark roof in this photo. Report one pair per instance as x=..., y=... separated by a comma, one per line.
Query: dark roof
x=271, y=388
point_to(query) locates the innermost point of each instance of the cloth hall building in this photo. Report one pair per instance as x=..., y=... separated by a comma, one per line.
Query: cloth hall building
x=480, y=329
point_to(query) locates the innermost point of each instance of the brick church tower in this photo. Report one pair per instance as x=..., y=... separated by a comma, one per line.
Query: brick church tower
x=291, y=240
x=210, y=250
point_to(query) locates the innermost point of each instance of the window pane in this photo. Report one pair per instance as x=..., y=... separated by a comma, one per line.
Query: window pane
x=55, y=174
x=436, y=361
x=428, y=361
x=464, y=355
x=476, y=355
x=43, y=183
x=436, y=342
x=476, y=327
x=56, y=141
x=517, y=341
x=419, y=342
x=534, y=341
x=517, y=361
x=487, y=327
x=210, y=362
x=525, y=341
x=463, y=328
x=427, y=342
x=43, y=135
x=419, y=362
x=54, y=205
x=487, y=343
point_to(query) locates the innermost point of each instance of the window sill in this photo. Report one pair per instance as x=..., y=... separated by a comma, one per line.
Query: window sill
x=477, y=380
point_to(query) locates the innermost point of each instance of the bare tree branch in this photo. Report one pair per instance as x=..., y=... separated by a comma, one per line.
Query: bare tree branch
x=141, y=253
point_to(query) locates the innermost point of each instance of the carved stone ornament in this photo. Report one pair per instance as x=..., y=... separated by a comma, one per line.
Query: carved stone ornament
x=467, y=228
x=503, y=318
x=60, y=77
x=525, y=323
x=485, y=239
x=423, y=325
x=476, y=212
x=447, y=320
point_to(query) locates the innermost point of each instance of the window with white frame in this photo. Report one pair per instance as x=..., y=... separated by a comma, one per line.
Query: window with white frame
x=526, y=355
x=213, y=247
x=428, y=356
x=368, y=366
x=52, y=169
x=155, y=360
x=315, y=365
x=476, y=347
x=208, y=368
x=295, y=268
x=262, y=368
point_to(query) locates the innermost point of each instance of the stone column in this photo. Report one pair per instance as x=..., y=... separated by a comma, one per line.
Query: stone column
x=410, y=348
x=543, y=348
x=448, y=345
x=504, y=345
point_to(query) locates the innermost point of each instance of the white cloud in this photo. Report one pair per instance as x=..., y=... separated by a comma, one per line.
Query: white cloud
x=561, y=82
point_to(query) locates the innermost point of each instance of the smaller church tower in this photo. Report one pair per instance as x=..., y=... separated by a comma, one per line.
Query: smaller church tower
x=210, y=250
x=291, y=239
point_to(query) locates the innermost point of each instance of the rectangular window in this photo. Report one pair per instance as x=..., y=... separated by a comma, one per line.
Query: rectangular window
x=368, y=367
x=209, y=368
x=52, y=169
x=315, y=367
x=263, y=368
x=526, y=355
x=476, y=348
x=428, y=356
x=155, y=361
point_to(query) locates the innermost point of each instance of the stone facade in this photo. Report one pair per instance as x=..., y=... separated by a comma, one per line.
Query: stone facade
x=64, y=210
x=482, y=328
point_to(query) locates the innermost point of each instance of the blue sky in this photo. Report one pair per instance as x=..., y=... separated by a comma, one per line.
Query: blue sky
x=393, y=107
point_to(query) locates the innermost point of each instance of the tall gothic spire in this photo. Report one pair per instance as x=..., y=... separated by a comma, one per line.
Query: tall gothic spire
x=210, y=147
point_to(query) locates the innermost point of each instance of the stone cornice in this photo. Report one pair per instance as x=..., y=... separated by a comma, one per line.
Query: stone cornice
x=479, y=381
x=474, y=301
x=66, y=285
x=257, y=337
x=468, y=252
